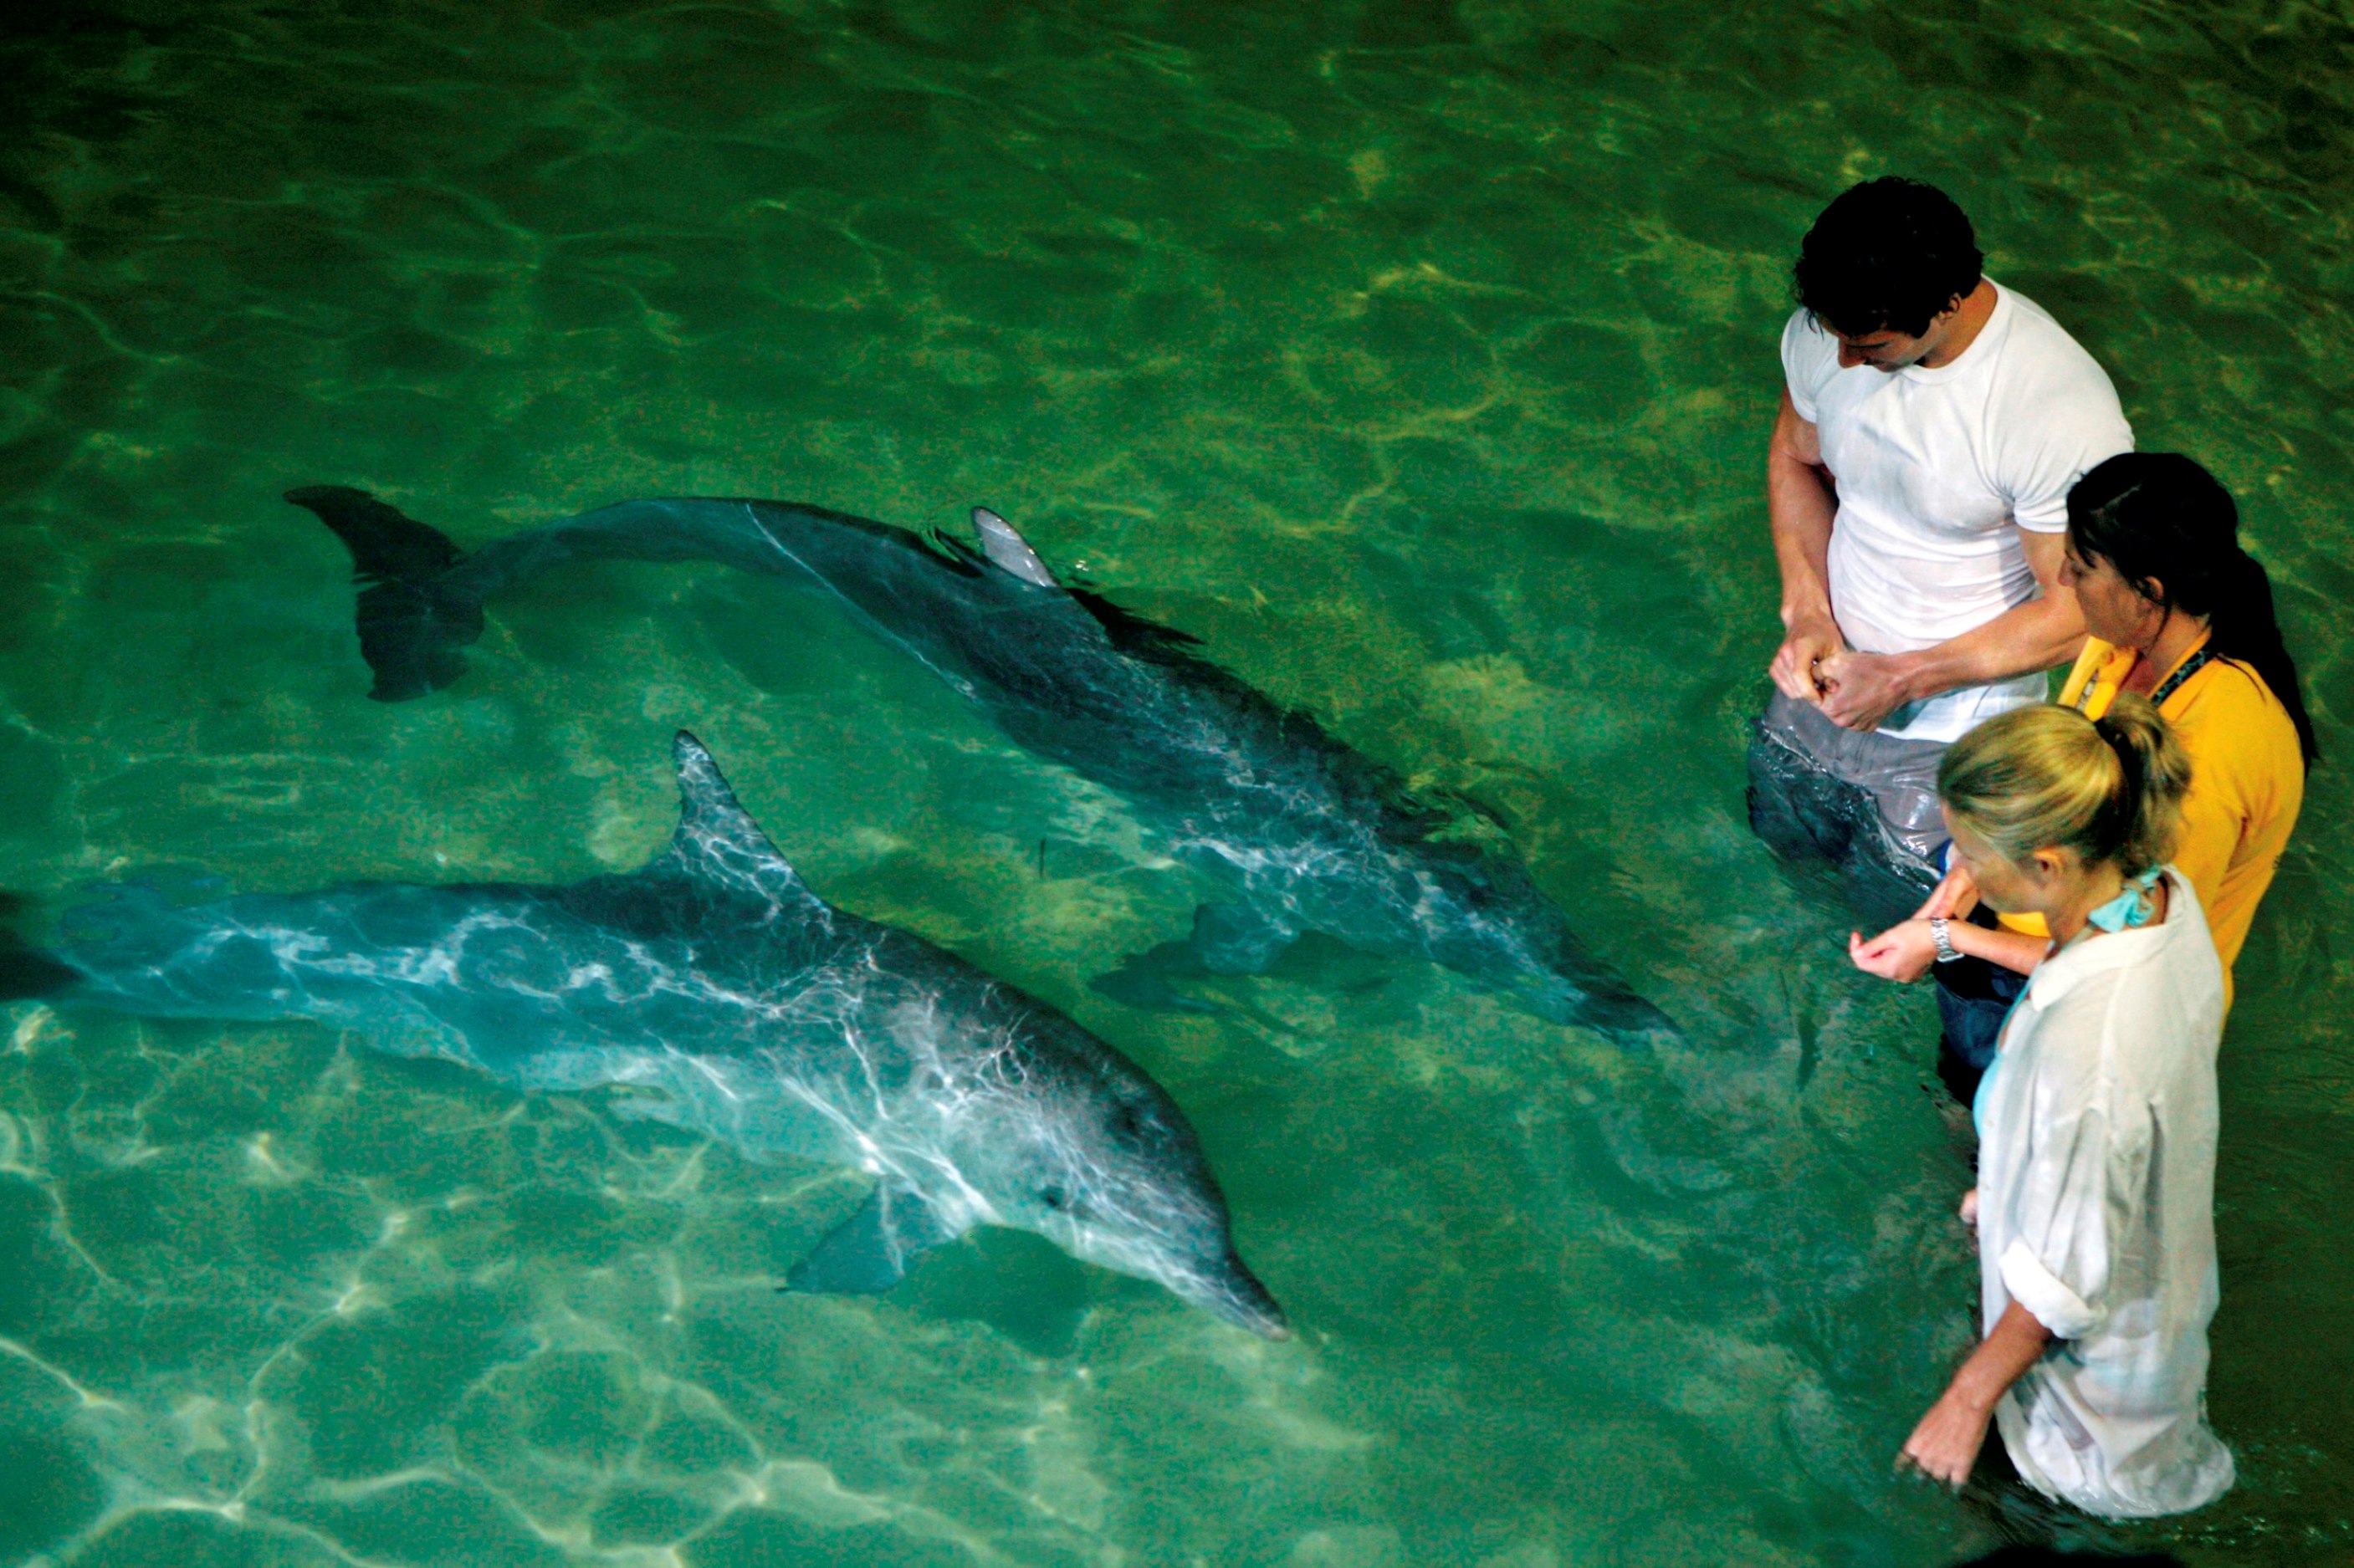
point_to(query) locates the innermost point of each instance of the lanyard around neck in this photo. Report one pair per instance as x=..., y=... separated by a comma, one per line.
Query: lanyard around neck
x=2199, y=659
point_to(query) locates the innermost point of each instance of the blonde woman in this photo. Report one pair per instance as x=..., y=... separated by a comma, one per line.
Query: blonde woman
x=2096, y=1122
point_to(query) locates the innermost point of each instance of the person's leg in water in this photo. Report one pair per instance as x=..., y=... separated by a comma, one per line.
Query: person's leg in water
x=1900, y=778
x=1863, y=807
x=1795, y=802
x=1973, y=997
x=1860, y=806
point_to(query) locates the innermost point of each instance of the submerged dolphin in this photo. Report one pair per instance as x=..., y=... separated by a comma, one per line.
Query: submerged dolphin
x=749, y=1008
x=1301, y=831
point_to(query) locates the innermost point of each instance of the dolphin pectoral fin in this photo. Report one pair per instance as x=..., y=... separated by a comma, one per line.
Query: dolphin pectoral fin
x=1145, y=980
x=1226, y=940
x=1009, y=551
x=412, y=619
x=1626, y=1019
x=1236, y=939
x=26, y=973
x=869, y=1252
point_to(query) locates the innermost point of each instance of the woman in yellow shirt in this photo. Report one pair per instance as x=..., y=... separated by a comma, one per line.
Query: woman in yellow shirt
x=2179, y=613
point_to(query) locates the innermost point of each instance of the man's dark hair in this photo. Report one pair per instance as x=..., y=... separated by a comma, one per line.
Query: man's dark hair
x=1886, y=255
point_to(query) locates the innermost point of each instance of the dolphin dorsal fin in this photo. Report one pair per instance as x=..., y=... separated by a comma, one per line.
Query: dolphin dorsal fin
x=869, y=1252
x=717, y=841
x=1008, y=550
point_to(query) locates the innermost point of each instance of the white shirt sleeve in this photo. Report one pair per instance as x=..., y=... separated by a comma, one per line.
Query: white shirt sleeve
x=2086, y=1173
x=2072, y=425
x=1809, y=357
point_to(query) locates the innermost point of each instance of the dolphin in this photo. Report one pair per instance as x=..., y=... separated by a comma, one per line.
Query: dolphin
x=1296, y=831
x=741, y=1005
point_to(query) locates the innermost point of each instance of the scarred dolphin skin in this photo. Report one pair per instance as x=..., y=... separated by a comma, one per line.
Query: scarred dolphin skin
x=742, y=1006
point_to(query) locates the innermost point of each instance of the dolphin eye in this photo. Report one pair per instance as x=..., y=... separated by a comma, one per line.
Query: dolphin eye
x=1053, y=1198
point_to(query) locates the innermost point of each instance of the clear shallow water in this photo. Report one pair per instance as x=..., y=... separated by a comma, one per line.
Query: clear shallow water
x=1418, y=360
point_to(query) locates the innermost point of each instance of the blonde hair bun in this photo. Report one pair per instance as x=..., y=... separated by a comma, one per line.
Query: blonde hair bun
x=2048, y=777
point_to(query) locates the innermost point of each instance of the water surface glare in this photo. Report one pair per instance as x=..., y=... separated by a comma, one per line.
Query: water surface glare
x=1418, y=358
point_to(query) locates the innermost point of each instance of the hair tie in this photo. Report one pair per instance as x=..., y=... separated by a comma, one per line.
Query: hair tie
x=2128, y=758
x=2121, y=807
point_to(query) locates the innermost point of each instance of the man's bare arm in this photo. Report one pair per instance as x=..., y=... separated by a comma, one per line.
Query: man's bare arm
x=1800, y=498
x=1864, y=688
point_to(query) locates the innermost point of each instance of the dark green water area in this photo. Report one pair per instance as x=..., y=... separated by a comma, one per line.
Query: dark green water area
x=1418, y=358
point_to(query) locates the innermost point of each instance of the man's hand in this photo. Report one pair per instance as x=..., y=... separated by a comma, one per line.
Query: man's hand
x=1945, y=1445
x=1800, y=499
x=1803, y=647
x=1862, y=689
x=1902, y=952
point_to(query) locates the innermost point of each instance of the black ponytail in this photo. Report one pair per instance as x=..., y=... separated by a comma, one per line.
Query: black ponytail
x=2173, y=532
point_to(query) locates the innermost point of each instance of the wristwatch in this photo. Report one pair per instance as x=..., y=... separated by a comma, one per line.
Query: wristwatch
x=1947, y=951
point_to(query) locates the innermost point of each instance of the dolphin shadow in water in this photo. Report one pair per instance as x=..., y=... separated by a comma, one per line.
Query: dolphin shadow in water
x=1299, y=832
x=748, y=1008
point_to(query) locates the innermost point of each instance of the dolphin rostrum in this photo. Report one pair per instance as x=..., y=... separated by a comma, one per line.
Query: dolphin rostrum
x=1298, y=831
x=746, y=1008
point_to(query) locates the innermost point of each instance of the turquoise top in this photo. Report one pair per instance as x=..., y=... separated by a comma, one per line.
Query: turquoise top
x=2132, y=907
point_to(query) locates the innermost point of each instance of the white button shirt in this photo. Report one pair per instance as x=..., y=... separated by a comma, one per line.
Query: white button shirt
x=2096, y=1178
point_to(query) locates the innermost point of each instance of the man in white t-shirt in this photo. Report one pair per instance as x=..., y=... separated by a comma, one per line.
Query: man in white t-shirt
x=1931, y=426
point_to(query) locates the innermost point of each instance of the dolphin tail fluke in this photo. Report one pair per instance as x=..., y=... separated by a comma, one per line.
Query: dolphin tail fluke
x=413, y=618
x=869, y=1252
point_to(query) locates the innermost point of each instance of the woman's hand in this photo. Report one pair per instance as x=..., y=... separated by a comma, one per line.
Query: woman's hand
x=1947, y=1442
x=1902, y=952
x=1952, y=899
x=1969, y=1209
x=1945, y=1445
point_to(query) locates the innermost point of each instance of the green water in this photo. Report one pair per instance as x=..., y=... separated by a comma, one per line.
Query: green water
x=1419, y=357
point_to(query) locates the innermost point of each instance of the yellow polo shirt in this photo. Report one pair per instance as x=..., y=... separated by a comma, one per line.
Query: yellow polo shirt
x=2247, y=781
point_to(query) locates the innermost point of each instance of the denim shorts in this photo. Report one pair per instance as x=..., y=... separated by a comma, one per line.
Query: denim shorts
x=1861, y=804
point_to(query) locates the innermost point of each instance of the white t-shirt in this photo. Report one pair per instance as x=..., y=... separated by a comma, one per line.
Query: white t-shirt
x=2097, y=1212
x=1935, y=468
